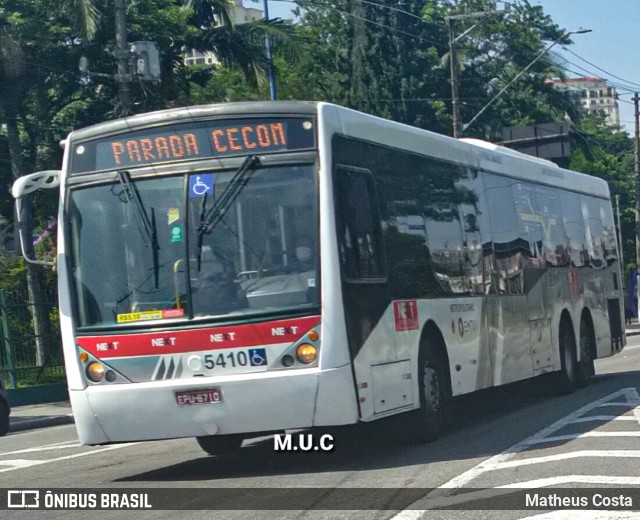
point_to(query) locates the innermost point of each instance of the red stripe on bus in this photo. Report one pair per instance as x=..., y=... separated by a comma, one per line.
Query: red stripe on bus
x=210, y=338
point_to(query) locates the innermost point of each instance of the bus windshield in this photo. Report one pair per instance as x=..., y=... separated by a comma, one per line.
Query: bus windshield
x=143, y=249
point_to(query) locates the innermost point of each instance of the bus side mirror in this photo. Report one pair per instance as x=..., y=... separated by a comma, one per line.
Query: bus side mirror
x=21, y=187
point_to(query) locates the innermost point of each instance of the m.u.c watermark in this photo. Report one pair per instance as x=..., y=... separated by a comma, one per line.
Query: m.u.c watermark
x=303, y=442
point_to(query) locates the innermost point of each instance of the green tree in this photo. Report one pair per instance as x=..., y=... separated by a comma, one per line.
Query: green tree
x=598, y=150
x=495, y=52
x=20, y=33
x=377, y=58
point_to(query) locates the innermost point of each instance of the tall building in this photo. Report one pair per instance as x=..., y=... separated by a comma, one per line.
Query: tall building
x=239, y=15
x=592, y=95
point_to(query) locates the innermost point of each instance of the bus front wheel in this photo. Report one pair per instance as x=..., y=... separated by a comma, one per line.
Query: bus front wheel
x=429, y=421
x=220, y=444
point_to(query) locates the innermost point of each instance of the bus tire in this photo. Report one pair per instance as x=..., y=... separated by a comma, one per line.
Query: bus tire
x=430, y=420
x=587, y=347
x=568, y=375
x=220, y=444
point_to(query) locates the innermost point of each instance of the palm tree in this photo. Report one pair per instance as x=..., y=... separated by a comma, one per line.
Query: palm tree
x=83, y=15
x=241, y=45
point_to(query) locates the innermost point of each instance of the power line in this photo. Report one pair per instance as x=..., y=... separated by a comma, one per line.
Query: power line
x=628, y=88
x=372, y=22
x=612, y=83
x=637, y=85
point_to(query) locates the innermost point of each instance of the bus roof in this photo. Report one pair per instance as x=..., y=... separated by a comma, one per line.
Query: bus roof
x=194, y=113
x=471, y=152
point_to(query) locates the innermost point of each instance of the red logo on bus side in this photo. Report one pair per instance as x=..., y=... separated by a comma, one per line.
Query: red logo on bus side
x=405, y=313
x=573, y=282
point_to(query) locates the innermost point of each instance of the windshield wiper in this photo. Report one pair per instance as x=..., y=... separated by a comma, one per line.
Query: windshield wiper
x=203, y=209
x=210, y=219
x=146, y=225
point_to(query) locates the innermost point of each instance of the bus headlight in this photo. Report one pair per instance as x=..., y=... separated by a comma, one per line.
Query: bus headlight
x=306, y=353
x=95, y=371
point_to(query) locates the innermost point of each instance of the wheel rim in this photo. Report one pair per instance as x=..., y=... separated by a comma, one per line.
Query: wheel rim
x=569, y=364
x=585, y=346
x=431, y=389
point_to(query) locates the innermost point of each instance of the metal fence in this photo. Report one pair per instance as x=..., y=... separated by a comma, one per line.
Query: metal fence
x=28, y=357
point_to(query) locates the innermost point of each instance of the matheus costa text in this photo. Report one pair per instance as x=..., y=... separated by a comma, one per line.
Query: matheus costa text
x=593, y=500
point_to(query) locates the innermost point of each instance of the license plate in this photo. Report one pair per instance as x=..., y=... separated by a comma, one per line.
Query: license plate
x=208, y=396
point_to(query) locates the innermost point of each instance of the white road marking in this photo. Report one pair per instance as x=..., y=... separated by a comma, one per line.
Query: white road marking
x=453, y=500
x=634, y=400
x=19, y=463
x=49, y=447
x=490, y=463
x=574, y=436
x=499, y=461
x=605, y=418
x=587, y=515
x=623, y=454
x=68, y=457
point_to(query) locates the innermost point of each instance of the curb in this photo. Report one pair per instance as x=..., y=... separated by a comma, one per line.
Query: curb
x=18, y=425
x=633, y=333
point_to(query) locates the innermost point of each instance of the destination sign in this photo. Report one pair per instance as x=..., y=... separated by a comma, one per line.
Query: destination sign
x=189, y=141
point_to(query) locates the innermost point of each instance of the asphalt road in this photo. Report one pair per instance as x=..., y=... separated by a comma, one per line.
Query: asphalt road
x=521, y=435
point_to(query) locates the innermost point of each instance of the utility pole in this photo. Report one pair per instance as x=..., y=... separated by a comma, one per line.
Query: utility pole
x=455, y=104
x=636, y=113
x=455, y=109
x=515, y=78
x=267, y=43
x=619, y=234
x=122, y=57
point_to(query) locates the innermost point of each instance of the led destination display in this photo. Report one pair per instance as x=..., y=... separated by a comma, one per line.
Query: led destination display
x=190, y=141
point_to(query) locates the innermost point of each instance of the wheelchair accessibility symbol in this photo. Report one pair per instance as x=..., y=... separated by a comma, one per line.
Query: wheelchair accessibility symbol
x=201, y=184
x=257, y=357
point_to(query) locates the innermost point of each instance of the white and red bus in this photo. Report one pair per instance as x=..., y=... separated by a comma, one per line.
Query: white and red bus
x=230, y=270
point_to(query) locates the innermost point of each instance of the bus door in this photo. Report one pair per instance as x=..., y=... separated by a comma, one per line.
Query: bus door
x=476, y=273
x=366, y=294
x=539, y=219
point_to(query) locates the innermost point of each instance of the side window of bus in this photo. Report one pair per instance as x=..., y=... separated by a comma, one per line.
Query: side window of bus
x=574, y=229
x=541, y=224
x=507, y=276
x=609, y=230
x=359, y=230
x=550, y=205
x=594, y=232
x=466, y=189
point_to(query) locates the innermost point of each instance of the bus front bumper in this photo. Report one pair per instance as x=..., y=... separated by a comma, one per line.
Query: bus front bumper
x=262, y=402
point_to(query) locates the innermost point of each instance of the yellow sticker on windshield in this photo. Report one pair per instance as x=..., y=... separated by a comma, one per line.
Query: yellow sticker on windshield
x=139, y=316
x=173, y=215
x=150, y=315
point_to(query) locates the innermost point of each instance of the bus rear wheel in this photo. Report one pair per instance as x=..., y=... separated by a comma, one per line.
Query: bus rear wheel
x=587, y=347
x=220, y=444
x=429, y=422
x=568, y=376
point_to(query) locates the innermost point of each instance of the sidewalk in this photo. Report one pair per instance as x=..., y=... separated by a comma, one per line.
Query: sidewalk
x=633, y=329
x=51, y=414
x=33, y=416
